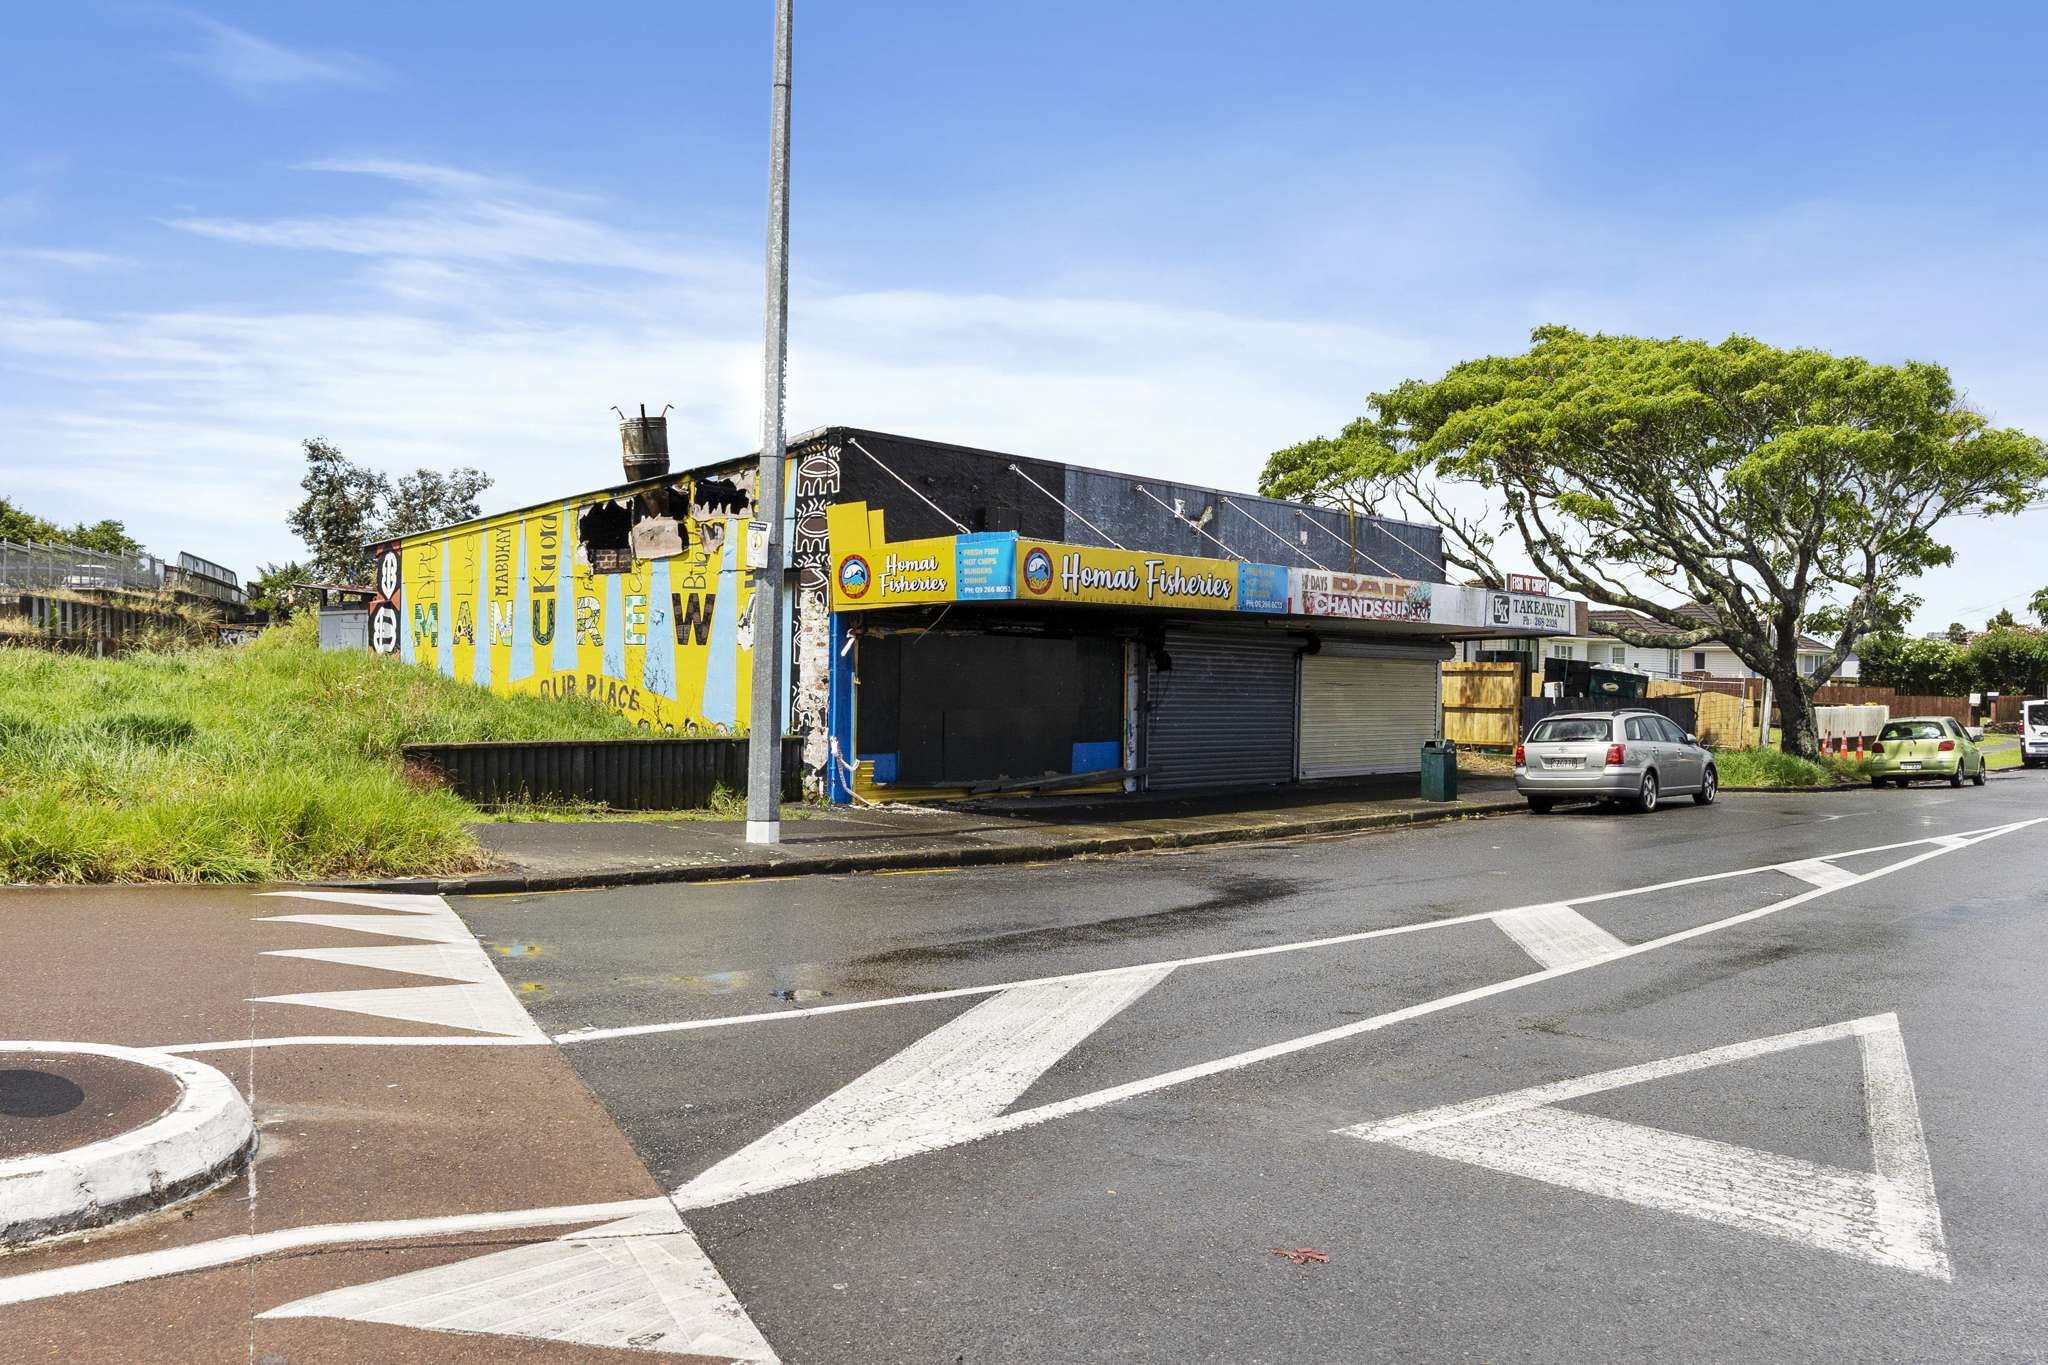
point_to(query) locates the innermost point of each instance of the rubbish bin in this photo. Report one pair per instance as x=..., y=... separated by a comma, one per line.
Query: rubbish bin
x=1439, y=770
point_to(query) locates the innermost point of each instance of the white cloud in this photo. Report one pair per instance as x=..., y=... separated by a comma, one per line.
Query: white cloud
x=256, y=68
x=493, y=323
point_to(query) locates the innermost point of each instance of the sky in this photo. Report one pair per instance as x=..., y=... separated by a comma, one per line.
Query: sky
x=1160, y=237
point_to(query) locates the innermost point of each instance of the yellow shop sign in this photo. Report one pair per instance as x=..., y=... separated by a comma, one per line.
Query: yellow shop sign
x=1081, y=573
x=869, y=571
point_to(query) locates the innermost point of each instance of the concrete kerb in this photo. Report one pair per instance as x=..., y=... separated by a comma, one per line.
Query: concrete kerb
x=830, y=864
x=204, y=1139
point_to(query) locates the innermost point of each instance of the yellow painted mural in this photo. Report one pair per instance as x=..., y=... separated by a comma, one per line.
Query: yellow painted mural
x=637, y=598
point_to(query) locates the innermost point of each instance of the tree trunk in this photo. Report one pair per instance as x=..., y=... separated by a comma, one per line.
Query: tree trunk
x=1800, y=735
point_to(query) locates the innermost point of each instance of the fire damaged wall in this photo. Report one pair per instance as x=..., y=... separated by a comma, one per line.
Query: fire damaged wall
x=636, y=598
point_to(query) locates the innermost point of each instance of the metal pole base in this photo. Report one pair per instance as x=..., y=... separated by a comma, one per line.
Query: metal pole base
x=764, y=831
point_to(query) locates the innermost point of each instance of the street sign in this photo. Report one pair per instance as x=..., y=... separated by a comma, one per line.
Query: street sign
x=757, y=544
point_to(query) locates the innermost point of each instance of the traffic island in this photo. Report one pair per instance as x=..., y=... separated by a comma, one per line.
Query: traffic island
x=91, y=1134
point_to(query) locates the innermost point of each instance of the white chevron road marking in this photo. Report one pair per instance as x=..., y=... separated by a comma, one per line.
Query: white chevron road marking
x=373, y=900
x=426, y=928
x=642, y=1284
x=1887, y=1216
x=948, y=1082
x=482, y=1002
x=423, y=959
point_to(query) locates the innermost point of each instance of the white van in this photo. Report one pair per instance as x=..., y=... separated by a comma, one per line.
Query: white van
x=2034, y=733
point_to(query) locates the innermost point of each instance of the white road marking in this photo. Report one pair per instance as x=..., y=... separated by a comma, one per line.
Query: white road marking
x=472, y=1007
x=181, y=1260
x=423, y=927
x=596, y=1035
x=642, y=1284
x=913, y=1145
x=483, y=1002
x=1887, y=1217
x=1556, y=934
x=422, y=959
x=355, y=1040
x=1819, y=872
x=962, y=1074
x=226, y=1251
x=374, y=900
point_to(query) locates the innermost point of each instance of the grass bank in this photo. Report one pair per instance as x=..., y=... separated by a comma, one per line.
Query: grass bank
x=273, y=761
x=1770, y=768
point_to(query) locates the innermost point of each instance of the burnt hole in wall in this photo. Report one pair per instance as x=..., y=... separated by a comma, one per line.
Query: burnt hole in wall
x=658, y=529
x=714, y=498
x=604, y=537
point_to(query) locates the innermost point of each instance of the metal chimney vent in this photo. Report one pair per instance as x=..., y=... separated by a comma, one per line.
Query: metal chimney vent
x=644, y=441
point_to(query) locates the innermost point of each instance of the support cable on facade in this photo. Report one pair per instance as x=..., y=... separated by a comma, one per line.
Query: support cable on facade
x=1277, y=536
x=1063, y=507
x=907, y=484
x=1353, y=548
x=1187, y=522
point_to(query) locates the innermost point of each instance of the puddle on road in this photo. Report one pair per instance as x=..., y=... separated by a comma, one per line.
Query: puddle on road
x=799, y=995
x=775, y=984
x=518, y=949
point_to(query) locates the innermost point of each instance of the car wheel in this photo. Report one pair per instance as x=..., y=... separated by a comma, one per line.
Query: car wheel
x=1955, y=779
x=1979, y=778
x=1539, y=805
x=1646, y=796
x=1710, y=787
x=1880, y=782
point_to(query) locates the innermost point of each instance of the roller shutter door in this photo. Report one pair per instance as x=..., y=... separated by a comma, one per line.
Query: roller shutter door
x=1361, y=716
x=1223, y=714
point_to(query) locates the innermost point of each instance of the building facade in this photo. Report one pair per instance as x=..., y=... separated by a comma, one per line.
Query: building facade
x=1707, y=659
x=965, y=620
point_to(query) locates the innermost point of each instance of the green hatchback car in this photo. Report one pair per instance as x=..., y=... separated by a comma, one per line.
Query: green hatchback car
x=1927, y=746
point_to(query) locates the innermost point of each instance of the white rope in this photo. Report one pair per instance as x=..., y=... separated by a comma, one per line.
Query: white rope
x=906, y=483
x=1349, y=546
x=1282, y=539
x=1063, y=507
x=1188, y=522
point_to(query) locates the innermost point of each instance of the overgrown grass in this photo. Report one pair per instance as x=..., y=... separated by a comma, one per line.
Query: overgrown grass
x=1771, y=768
x=269, y=761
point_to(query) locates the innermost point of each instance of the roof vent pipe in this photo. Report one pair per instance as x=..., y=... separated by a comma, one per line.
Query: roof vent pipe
x=644, y=441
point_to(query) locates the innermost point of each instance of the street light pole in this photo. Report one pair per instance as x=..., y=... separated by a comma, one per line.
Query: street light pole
x=764, y=744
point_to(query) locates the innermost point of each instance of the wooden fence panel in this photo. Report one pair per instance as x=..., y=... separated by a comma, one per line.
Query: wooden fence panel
x=1724, y=721
x=1482, y=704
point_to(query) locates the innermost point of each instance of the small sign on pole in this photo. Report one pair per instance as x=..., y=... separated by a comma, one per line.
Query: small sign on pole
x=757, y=544
x=1535, y=585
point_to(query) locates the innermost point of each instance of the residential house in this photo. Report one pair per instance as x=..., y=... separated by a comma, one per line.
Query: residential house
x=1708, y=658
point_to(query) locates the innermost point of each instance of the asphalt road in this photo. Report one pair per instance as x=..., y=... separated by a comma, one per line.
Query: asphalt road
x=1101, y=1168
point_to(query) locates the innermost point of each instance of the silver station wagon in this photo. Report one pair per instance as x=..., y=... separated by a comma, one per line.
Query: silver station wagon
x=1639, y=757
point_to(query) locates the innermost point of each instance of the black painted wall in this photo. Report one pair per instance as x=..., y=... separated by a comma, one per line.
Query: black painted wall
x=977, y=488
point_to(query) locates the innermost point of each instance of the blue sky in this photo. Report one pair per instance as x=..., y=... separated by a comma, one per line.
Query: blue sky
x=1157, y=237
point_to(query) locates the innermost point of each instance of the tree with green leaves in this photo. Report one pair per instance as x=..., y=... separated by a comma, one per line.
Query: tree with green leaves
x=2009, y=660
x=1922, y=667
x=272, y=591
x=106, y=535
x=1782, y=490
x=347, y=506
x=1958, y=633
x=2038, y=604
x=2003, y=621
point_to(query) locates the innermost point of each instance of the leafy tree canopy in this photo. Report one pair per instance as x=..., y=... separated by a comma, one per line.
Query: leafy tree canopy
x=106, y=535
x=2038, y=604
x=271, y=590
x=347, y=506
x=1782, y=489
x=2009, y=660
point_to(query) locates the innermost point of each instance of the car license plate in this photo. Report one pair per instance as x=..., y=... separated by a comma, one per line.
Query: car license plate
x=1564, y=763
x=1910, y=763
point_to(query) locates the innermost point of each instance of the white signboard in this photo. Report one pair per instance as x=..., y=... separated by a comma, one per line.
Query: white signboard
x=757, y=544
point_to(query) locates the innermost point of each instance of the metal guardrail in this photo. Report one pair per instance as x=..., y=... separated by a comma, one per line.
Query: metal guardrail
x=625, y=774
x=70, y=568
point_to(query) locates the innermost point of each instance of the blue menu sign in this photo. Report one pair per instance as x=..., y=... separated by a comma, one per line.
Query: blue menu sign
x=986, y=566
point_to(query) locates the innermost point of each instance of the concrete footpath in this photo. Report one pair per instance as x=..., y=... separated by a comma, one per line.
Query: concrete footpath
x=567, y=855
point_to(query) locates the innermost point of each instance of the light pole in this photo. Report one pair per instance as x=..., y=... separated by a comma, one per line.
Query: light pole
x=764, y=744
